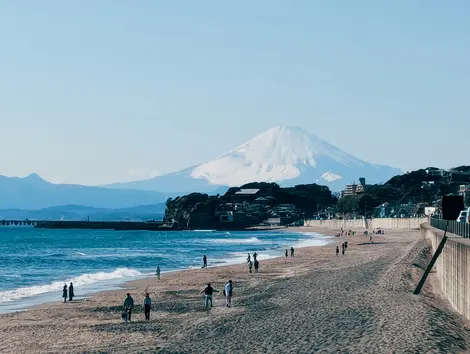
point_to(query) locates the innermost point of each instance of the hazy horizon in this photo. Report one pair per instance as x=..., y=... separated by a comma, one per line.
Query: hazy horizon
x=96, y=93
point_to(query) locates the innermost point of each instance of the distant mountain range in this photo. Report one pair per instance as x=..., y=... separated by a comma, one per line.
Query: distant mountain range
x=78, y=212
x=32, y=193
x=286, y=155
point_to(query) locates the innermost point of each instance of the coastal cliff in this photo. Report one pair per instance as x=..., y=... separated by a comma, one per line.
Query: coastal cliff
x=248, y=205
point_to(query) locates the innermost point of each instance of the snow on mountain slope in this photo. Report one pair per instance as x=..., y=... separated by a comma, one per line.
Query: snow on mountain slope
x=279, y=154
x=287, y=155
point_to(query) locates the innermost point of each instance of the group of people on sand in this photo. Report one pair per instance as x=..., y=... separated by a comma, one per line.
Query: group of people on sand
x=68, y=293
x=291, y=252
x=129, y=306
x=254, y=263
x=344, y=246
x=208, y=291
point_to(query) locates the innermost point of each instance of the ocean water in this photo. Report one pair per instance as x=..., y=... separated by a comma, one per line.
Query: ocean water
x=35, y=263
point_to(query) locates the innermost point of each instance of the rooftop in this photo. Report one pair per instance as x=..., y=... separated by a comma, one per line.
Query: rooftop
x=247, y=191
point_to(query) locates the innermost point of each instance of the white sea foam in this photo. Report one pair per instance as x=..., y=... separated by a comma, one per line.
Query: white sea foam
x=316, y=234
x=235, y=241
x=311, y=242
x=84, y=279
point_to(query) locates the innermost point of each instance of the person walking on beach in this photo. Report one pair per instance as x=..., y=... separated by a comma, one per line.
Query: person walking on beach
x=248, y=259
x=345, y=245
x=292, y=251
x=64, y=293
x=158, y=272
x=250, y=266
x=204, y=261
x=228, y=293
x=147, y=306
x=128, y=306
x=208, y=291
x=370, y=238
x=287, y=253
x=342, y=248
x=256, y=266
x=71, y=293
x=255, y=255
x=337, y=250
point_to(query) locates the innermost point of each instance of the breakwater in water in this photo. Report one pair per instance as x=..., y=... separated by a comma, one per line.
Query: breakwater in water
x=102, y=225
x=115, y=225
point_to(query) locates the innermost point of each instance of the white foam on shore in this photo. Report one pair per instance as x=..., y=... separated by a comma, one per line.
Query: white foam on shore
x=312, y=242
x=84, y=279
x=235, y=241
x=26, y=297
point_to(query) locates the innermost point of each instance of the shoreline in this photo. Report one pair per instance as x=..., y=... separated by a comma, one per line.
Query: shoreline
x=359, y=302
x=124, y=284
x=136, y=284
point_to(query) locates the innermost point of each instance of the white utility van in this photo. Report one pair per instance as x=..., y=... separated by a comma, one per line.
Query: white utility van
x=464, y=216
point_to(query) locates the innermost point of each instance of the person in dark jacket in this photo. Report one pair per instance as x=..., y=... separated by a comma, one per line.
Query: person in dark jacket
x=147, y=306
x=256, y=266
x=208, y=291
x=71, y=293
x=64, y=293
x=337, y=250
x=157, y=272
x=204, y=261
x=128, y=306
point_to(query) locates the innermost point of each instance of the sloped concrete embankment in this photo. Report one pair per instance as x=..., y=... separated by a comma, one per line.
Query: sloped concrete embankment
x=452, y=267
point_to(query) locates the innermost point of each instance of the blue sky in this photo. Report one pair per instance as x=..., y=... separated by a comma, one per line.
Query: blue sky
x=101, y=91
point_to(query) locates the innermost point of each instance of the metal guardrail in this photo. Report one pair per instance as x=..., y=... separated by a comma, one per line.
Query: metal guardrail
x=456, y=228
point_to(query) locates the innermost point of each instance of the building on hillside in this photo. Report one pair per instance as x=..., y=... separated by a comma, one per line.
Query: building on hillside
x=438, y=173
x=360, y=189
x=262, y=201
x=226, y=216
x=383, y=210
x=248, y=191
x=349, y=190
x=427, y=184
x=274, y=221
x=464, y=191
x=248, y=194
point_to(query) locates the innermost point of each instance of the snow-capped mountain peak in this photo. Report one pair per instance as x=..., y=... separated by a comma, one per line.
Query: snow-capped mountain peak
x=286, y=155
x=281, y=153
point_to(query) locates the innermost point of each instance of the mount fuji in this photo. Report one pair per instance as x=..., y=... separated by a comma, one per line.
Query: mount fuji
x=286, y=155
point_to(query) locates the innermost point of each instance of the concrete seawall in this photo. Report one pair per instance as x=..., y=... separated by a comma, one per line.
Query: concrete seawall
x=379, y=223
x=452, y=267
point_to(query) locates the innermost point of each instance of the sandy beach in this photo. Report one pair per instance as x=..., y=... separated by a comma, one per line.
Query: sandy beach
x=361, y=302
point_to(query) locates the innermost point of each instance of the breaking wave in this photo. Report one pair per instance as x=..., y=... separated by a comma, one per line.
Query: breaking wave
x=84, y=279
x=236, y=241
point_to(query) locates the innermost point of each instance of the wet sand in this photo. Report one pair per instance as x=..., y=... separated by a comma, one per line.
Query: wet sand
x=361, y=302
